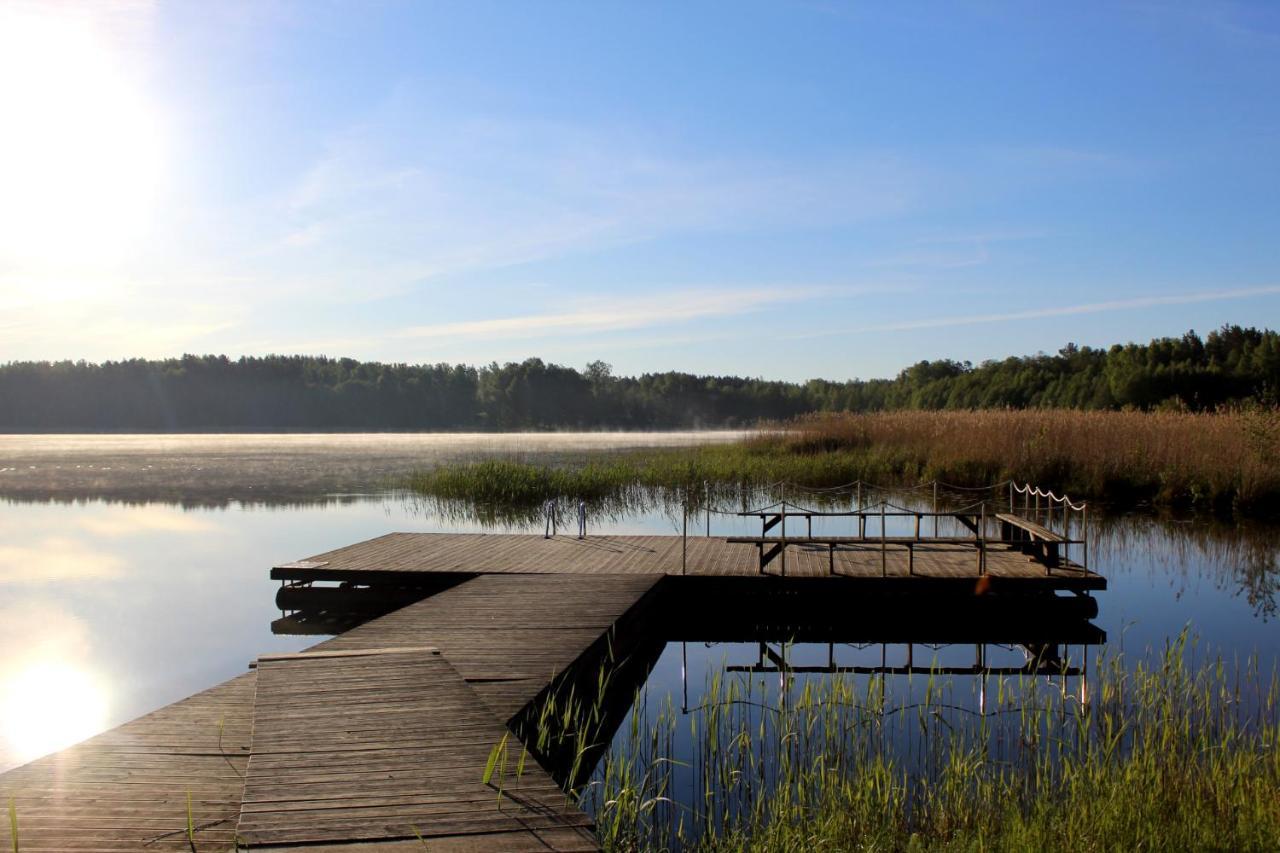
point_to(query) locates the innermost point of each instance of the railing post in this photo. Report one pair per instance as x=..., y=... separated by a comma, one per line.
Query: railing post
x=1084, y=535
x=706, y=496
x=684, y=535
x=884, y=570
x=935, y=509
x=784, y=538
x=1011, y=509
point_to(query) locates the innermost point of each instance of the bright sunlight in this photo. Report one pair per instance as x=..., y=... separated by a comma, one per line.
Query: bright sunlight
x=48, y=705
x=80, y=157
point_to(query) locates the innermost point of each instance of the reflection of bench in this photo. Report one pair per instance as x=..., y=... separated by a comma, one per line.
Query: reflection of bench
x=1031, y=538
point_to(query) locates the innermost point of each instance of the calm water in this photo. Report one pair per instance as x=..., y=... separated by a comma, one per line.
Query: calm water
x=112, y=604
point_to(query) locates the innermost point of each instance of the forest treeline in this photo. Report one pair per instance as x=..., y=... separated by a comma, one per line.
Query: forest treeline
x=205, y=393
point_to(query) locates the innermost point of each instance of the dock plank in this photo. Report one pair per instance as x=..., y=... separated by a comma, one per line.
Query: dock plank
x=127, y=789
x=508, y=635
x=329, y=730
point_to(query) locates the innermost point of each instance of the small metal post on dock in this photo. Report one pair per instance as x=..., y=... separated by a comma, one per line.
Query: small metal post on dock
x=684, y=535
x=935, y=509
x=706, y=495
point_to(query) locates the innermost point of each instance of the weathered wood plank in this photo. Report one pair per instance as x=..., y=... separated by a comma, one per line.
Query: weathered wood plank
x=317, y=756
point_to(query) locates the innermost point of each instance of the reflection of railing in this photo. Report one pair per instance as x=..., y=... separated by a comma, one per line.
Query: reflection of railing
x=1047, y=660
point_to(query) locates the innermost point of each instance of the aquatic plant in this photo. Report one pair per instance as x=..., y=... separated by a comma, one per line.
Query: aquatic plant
x=1173, y=752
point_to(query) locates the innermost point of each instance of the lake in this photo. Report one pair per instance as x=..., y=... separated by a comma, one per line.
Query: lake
x=134, y=569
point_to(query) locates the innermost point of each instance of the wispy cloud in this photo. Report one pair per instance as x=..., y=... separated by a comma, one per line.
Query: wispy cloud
x=614, y=315
x=1057, y=311
x=395, y=201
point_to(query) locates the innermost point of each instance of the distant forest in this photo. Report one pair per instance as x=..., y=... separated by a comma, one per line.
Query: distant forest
x=210, y=393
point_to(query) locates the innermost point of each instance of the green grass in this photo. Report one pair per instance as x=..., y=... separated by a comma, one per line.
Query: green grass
x=1170, y=754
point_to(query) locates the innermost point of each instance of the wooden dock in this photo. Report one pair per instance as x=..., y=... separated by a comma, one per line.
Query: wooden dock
x=396, y=557
x=378, y=739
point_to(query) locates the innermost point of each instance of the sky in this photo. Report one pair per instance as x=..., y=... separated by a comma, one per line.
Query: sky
x=785, y=190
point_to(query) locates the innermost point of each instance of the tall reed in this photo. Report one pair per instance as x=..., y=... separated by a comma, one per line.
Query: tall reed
x=1224, y=461
x=1174, y=752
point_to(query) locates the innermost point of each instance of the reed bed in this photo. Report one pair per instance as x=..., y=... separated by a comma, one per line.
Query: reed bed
x=1170, y=753
x=1227, y=461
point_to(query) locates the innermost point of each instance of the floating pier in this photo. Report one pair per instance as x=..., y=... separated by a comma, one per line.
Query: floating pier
x=384, y=738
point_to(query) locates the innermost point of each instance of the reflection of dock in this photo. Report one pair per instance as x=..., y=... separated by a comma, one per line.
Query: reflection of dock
x=385, y=734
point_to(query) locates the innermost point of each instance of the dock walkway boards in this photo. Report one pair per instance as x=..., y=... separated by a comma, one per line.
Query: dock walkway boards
x=385, y=745
x=503, y=638
x=508, y=635
x=127, y=789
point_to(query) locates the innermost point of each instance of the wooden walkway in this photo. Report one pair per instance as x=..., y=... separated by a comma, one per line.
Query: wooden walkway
x=508, y=636
x=391, y=558
x=389, y=744
x=501, y=642
x=127, y=789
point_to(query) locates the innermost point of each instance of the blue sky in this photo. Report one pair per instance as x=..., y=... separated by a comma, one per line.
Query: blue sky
x=786, y=190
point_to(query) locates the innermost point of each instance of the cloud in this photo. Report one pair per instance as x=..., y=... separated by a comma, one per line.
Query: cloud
x=615, y=315
x=396, y=200
x=1058, y=311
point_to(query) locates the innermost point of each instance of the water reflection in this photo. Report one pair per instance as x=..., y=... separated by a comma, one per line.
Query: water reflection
x=165, y=598
x=49, y=704
x=710, y=645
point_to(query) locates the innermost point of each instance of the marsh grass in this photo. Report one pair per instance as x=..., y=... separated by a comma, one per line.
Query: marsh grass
x=1174, y=752
x=1222, y=461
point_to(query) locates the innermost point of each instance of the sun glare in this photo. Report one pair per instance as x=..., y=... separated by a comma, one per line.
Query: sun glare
x=48, y=705
x=80, y=155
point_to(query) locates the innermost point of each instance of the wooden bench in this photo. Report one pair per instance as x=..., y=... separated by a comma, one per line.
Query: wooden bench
x=1038, y=541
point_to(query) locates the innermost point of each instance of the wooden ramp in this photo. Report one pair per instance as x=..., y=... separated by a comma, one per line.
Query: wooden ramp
x=390, y=744
x=501, y=639
x=508, y=636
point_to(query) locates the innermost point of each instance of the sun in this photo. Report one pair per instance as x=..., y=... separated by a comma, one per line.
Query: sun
x=47, y=705
x=81, y=153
